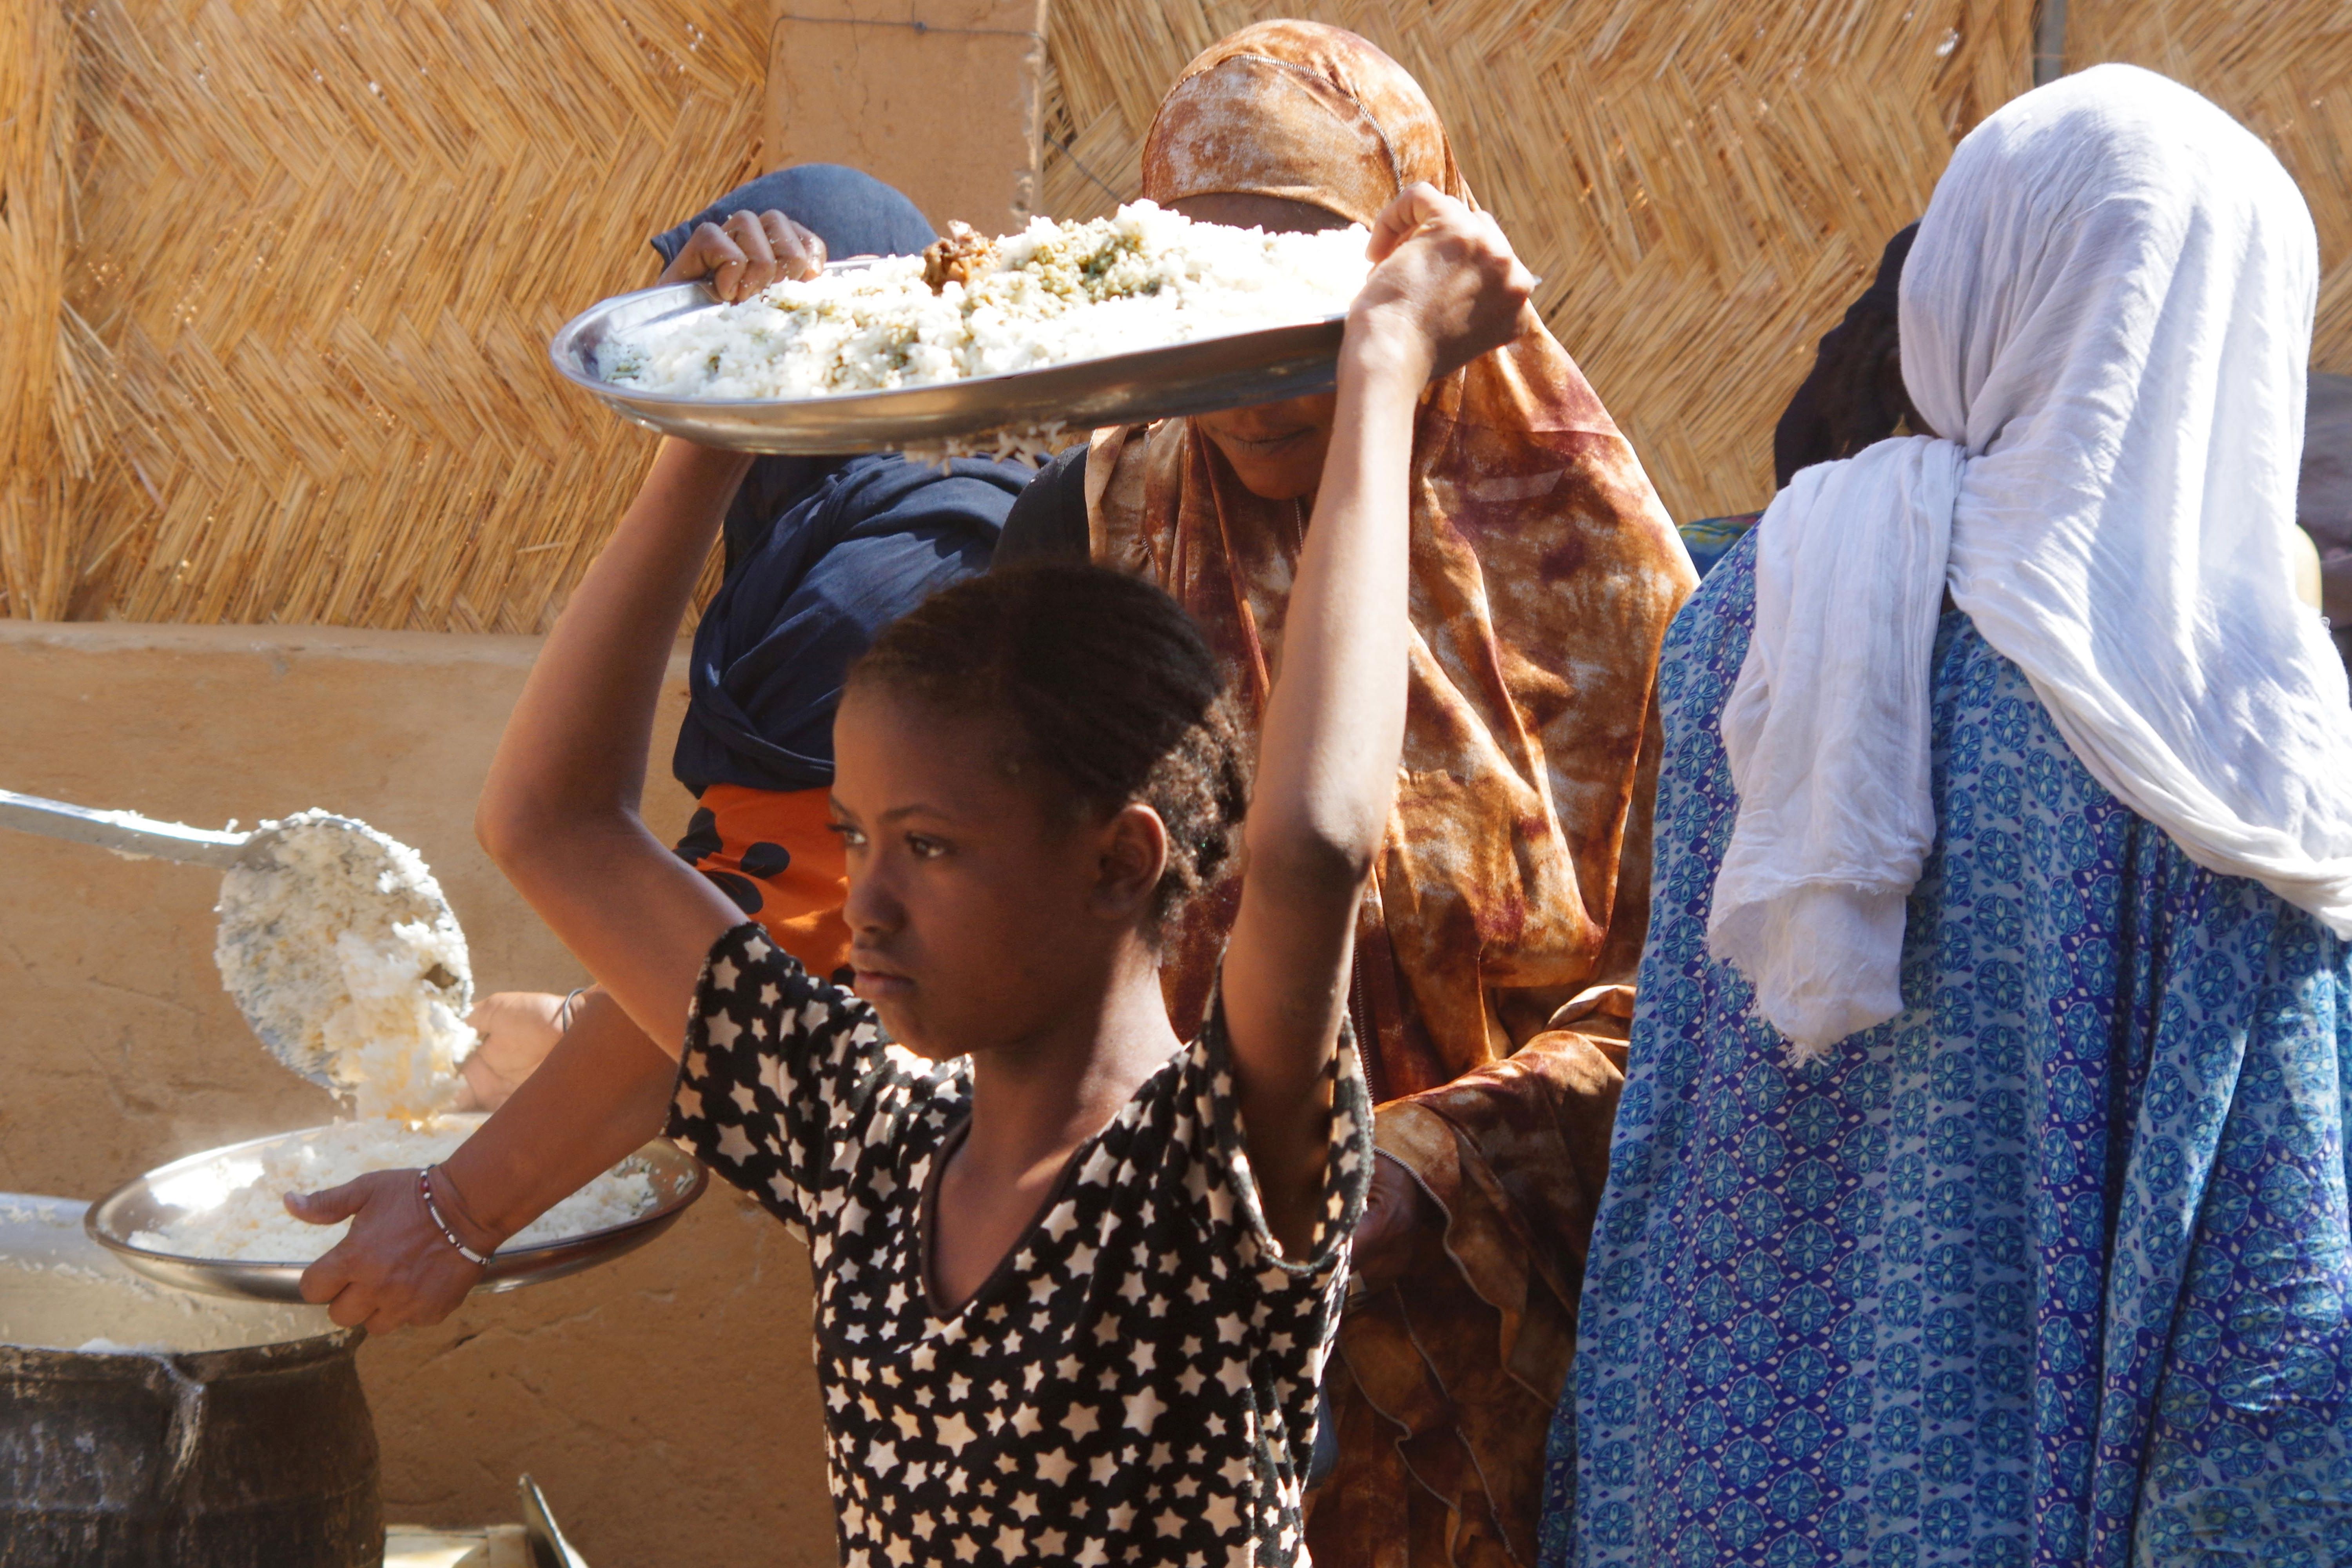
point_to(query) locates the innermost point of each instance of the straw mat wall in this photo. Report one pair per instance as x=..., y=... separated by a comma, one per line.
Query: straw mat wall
x=2283, y=67
x=35, y=193
x=1703, y=187
x=276, y=276
x=296, y=308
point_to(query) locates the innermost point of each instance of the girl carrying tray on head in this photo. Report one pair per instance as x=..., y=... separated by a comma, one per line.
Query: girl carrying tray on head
x=1075, y=1277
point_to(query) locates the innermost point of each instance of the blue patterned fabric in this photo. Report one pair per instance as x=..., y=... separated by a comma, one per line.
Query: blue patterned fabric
x=1710, y=538
x=2049, y=1269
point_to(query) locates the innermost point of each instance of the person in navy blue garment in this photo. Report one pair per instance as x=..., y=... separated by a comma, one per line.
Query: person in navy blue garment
x=820, y=554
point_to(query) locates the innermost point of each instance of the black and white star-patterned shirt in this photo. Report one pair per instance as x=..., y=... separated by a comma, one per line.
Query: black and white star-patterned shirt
x=1134, y=1383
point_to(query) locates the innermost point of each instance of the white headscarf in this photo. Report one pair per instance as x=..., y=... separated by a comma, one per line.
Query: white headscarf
x=2105, y=317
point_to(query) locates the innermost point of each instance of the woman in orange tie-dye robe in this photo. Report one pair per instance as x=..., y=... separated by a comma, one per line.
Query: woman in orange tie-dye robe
x=1495, y=950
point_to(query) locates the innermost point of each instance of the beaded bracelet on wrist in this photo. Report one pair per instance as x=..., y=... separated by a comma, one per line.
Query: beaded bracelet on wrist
x=433, y=1212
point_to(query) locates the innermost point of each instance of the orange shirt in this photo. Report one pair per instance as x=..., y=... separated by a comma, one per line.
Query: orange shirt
x=772, y=853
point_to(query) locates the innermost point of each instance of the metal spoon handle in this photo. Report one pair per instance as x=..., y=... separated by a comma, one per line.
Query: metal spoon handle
x=124, y=832
x=542, y=1533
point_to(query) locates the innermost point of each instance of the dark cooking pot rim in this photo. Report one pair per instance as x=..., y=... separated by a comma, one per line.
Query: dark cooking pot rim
x=202, y=1366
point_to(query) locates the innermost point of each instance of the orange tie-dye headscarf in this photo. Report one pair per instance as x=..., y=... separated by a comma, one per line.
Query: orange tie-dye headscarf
x=1544, y=572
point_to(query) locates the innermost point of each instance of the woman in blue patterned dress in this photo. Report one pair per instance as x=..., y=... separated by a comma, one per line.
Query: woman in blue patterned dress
x=1979, y=1190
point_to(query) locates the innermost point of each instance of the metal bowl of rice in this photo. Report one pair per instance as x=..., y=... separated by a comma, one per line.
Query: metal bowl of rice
x=1035, y=341
x=153, y=1222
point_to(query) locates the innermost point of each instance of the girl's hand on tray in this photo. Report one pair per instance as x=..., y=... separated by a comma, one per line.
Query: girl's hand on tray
x=395, y=1269
x=745, y=254
x=1445, y=284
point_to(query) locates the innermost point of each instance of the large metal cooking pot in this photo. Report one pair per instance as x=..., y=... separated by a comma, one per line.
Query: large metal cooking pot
x=145, y=1428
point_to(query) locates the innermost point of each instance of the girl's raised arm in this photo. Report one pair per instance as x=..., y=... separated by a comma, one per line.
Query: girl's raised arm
x=1445, y=290
x=559, y=816
x=559, y=812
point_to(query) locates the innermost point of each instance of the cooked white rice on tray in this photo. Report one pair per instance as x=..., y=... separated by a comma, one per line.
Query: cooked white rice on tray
x=1057, y=291
x=234, y=1209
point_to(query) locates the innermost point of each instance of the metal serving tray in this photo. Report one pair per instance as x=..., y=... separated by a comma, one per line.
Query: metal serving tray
x=1196, y=377
x=143, y=1204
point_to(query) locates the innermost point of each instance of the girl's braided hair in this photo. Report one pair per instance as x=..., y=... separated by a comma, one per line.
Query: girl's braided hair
x=1107, y=685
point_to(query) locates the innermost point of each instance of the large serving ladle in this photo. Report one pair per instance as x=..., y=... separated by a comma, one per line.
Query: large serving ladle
x=128, y=834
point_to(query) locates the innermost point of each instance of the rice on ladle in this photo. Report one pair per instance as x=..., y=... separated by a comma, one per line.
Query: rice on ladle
x=339, y=944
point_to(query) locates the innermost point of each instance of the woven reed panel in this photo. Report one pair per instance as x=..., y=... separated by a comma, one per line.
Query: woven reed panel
x=36, y=382
x=2283, y=67
x=1703, y=187
x=276, y=277
x=322, y=247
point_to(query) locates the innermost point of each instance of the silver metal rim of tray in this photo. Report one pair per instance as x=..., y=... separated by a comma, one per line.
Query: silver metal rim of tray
x=679, y=1179
x=1196, y=377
